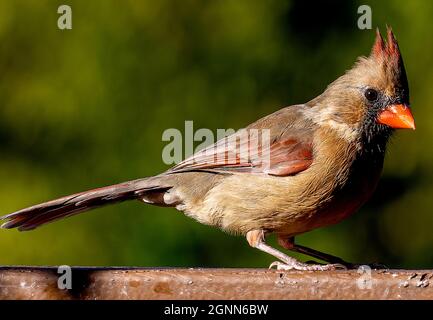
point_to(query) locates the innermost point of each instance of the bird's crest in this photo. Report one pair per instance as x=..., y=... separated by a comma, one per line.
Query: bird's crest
x=388, y=50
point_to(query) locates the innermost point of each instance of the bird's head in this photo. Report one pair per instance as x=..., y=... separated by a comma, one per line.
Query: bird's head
x=371, y=99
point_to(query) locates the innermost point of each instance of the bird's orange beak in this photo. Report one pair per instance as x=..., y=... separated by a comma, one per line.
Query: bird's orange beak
x=397, y=116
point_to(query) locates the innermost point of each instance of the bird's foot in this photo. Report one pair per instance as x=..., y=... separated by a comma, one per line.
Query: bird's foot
x=306, y=267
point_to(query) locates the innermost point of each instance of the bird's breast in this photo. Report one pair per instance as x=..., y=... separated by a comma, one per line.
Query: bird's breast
x=340, y=187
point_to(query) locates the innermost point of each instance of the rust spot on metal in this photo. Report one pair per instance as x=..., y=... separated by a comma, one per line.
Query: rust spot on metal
x=134, y=283
x=162, y=287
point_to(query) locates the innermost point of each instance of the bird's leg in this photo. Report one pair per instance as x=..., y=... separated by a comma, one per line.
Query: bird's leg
x=256, y=239
x=289, y=244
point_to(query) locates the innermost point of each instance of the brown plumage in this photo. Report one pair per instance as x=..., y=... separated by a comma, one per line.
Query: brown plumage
x=301, y=168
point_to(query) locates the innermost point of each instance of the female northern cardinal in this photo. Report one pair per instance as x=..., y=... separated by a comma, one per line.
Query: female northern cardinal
x=323, y=162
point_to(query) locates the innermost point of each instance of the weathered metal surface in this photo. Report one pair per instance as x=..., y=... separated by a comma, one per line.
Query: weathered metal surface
x=127, y=283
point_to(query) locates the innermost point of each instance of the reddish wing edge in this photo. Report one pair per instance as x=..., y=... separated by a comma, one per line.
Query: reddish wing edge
x=253, y=154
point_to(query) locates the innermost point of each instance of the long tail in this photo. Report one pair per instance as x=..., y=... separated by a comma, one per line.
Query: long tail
x=33, y=217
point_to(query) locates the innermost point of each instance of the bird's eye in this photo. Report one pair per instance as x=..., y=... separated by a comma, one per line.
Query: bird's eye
x=371, y=95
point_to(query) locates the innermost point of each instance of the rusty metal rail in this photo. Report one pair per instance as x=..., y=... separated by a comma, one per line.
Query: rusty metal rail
x=169, y=283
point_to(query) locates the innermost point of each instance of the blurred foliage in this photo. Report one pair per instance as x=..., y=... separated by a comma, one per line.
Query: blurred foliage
x=87, y=107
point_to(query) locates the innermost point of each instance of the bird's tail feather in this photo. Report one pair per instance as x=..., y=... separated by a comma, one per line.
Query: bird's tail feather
x=35, y=216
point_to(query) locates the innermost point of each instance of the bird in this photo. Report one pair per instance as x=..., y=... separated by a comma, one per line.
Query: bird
x=302, y=167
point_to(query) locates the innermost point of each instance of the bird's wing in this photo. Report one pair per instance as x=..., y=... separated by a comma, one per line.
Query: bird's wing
x=279, y=144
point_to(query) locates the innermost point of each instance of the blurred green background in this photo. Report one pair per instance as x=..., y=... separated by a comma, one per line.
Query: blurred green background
x=86, y=107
